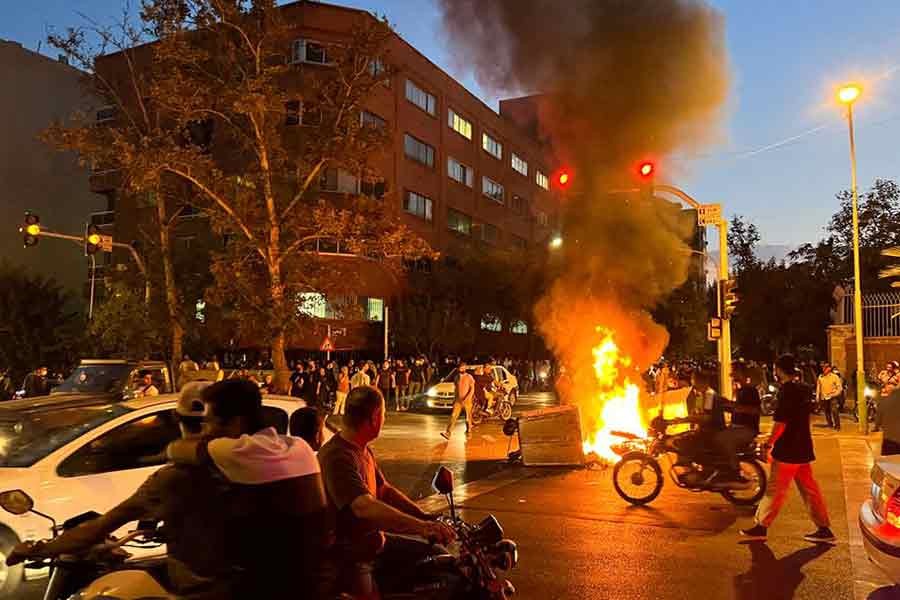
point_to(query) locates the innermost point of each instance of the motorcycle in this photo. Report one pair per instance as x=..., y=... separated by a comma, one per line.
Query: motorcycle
x=105, y=570
x=638, y=476
x=498, y=405
x=768, y=399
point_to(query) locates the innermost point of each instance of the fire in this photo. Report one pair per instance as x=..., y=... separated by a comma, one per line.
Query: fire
x=619, y=397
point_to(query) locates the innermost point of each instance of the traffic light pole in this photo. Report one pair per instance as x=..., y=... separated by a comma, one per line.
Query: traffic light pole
x=134, y=255
x=725, y=340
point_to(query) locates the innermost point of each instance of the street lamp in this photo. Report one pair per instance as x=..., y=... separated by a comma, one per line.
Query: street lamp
x=847, y=95
x=556, y=242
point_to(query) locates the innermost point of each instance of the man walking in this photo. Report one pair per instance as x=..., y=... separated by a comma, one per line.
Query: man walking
x=465, y=394
x=828, y=392
x=791, y=457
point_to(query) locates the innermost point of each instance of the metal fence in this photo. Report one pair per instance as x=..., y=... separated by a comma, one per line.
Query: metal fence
x=881, y=314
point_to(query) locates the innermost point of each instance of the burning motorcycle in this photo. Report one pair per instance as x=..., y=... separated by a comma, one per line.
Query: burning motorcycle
x=638, y=476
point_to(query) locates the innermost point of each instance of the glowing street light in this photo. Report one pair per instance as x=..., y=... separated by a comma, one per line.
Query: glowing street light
x=847, y=95
x=556, y=243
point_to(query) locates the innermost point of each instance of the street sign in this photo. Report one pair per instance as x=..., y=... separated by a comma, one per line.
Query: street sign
x=714, y=329
x=327, y=345
x=106, y=243
x=709, y=214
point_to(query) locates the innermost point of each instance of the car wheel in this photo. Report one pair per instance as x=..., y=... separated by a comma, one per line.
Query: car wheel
x=10, y=577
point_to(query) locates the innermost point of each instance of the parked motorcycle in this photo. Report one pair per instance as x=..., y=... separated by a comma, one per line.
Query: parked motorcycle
x=768, y=398
x=638, y=476
x=105, y=570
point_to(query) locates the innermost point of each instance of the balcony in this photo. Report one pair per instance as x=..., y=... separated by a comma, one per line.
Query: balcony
x=105, y=180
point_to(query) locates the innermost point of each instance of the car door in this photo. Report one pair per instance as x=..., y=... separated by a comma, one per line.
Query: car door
x=107, y=469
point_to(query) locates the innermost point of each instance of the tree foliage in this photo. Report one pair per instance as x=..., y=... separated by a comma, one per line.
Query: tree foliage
x=124, y=326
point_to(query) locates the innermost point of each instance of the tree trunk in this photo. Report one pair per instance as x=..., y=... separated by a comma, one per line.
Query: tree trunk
x=279, y=361
x=173, y=304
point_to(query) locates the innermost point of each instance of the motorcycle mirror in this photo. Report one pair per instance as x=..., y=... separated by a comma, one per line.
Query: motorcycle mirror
x=443, y=481
x=16, y=502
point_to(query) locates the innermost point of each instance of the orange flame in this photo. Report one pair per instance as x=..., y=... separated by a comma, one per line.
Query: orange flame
x=620, y=399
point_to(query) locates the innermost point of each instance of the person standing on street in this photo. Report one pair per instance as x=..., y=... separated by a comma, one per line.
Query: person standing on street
x=343, y=388
x=186, y=366
x=417, y=377
x=828, y=392
x=386, y=382
x=359, y=379
x=298, y=380
x=465, y=396
x=36, y=383
x=401, y=375
x=791, y=457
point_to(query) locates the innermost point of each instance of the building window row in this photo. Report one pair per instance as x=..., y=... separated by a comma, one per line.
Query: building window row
x=418, y=205
x=308, y=51
x=542, y=180
x=418, y=150
x=489, y=233
x=519, y=165
x=317, y=306
x=459, y=222
x=421, y=98
x=459, y=172
x=459, y=124
x=492, y=190
x=367, y=119
x=493, y=323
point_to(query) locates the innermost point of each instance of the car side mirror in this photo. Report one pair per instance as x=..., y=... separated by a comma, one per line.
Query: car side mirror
x=16, y=502
x=443, y=481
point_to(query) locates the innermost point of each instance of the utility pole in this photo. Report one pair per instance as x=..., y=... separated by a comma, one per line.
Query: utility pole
x=387, y=351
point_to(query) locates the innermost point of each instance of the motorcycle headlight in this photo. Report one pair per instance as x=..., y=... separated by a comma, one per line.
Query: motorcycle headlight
x=771, y=388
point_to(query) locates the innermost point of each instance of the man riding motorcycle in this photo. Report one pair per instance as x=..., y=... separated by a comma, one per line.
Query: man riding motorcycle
x=187, y=499
x=363, y=506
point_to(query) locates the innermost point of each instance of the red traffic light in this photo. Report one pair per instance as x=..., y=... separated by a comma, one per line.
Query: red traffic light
x=564, y=178
x=646, y=169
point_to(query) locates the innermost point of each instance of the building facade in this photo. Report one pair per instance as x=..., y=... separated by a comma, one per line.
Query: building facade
x=35, y=177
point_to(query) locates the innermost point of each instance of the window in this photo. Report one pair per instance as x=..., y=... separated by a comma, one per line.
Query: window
x=460, y=172
x=519, y=327
x=489, y=233
x=106, y=114
x=292, y=113
x=519, y=242
x=542, y=218
x=492, y=189
x=541, y=180
x=338, y=180
x=134, y=445
x=200, y=310
x=519, y=165
x=312, y=304
x=417, y=204
x=418, y=150
x=376, y=67
x=307, y=51
x=367, y=119
x=421, y=98
x=491, y=323
x=458, y=124
x=518, y=204
x=298, y=113
x=491, y=146
x=374, y=309
x=373, y=189
x=459, y=222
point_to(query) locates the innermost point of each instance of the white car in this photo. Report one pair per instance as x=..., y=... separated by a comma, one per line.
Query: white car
x=442, y=394
x=74, y=456
x=879, y=518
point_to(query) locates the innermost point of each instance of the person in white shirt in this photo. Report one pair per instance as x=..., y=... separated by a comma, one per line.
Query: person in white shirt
x=360, y=379
x=145, y=387
x=828, y=392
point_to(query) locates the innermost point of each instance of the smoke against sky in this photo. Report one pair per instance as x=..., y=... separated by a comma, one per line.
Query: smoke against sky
x=620, y=81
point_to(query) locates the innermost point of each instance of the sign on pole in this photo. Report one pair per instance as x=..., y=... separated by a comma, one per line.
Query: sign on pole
x=709, y=214
x=714, y=329
x=327, y=345
x=106, y=243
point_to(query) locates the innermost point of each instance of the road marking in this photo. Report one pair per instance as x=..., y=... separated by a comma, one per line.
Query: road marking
x=467, y=491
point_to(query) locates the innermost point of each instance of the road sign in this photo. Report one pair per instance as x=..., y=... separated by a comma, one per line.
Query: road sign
x=106, y=243
x=714, y=329
x=327, y=345
x=709, y=214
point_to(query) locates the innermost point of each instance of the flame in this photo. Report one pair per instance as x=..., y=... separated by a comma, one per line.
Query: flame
x=619, y=397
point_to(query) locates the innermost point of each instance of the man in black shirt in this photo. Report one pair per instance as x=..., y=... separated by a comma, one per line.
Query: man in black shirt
x=298, y=380
x=791, y=457
x=745, y=412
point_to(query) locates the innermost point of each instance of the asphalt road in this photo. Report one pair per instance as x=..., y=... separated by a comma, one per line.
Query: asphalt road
x=578, y=539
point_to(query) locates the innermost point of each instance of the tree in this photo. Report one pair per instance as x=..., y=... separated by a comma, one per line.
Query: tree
x=684, y=313
x=743, y=239
x=122, y=326
x=38, y=325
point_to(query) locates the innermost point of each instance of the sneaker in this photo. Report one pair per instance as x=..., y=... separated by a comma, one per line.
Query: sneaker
x=822, y=535
x=757, y=532
x=445, y=435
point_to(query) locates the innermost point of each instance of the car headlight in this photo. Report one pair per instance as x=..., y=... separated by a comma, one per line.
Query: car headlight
x=869, y=393
x=772, y=388
x=432, y=392
x=430, y=403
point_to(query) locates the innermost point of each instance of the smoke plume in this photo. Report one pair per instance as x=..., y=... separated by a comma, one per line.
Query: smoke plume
x=619, y=81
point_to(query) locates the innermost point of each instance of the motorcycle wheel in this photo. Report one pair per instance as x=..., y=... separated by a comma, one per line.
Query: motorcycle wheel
x=10, y=577
x=477, y=416
x=753, y=471
x=635, y=472
x=505, y=410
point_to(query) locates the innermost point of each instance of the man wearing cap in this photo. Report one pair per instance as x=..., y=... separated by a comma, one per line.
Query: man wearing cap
x=184, y=497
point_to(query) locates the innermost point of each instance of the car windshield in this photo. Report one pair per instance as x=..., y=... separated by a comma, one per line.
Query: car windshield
x=27, y=436
x=448, y=374
x=96, y=379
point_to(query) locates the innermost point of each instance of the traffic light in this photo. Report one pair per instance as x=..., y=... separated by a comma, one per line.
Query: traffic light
x=646, y=171
x=91, y=240
x=564, y=178
x=730, y=298
x=30, y=230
